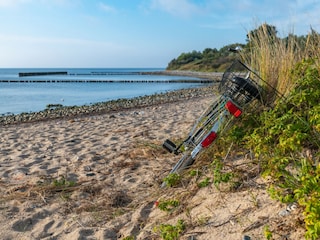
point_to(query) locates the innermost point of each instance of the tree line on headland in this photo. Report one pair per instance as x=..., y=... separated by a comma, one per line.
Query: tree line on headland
x=214, y=60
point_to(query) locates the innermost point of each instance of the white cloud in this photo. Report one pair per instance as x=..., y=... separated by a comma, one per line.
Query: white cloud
x=287, y=16
x=107, y=8
x=12, y=3
x=182, y=8
x=17, y=3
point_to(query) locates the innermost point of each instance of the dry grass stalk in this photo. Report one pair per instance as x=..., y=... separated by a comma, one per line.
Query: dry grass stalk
x=274, y=58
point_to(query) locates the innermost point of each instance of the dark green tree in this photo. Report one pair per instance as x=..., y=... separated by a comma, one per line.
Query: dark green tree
x=261, y=32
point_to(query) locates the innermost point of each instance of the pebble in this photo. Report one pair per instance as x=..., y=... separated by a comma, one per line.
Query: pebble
x=285, y=212
x=87, y=168
x=90, y=174
x=110, y=106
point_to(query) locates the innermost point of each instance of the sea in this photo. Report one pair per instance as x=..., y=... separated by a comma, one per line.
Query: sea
x=35, y=88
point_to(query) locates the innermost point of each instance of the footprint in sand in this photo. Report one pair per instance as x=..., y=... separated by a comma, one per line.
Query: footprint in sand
x=28, y=223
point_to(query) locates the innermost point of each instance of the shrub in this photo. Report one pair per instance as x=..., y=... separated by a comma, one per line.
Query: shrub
x=172, y=179
x=284, y=136
x=168, y=205
x=171, y=232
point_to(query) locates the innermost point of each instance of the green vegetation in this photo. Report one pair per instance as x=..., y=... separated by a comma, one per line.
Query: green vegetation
x=168, y=205
x=214, y=60
x=170, y=232
x=172, y=179
x=283, y=138
x=218, y=174
x=129, y=238
x=286, y=140
x=267, y=232
x=62, y=182
x=204, y=183
x=209, y=59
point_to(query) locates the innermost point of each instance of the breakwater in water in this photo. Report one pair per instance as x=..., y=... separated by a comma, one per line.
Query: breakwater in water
x=29, y=74
x=195, y=77
x=110, y=106
x=105, y=81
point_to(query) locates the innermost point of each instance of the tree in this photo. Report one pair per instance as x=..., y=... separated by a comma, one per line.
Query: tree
x=263, y=31
x=209, y=52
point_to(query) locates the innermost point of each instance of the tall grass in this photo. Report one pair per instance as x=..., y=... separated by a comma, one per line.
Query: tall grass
x=274, y=58
x=287, y=137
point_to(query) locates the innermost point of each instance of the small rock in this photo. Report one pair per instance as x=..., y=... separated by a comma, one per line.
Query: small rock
x=291, y=207
x=90, y=174
x=87, y=168
x=284, y=213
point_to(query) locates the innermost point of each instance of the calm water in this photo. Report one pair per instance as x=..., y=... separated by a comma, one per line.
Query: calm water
x=18, y=97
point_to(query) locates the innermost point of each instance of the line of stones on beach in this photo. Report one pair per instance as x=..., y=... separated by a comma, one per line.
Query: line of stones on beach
x=110, y=106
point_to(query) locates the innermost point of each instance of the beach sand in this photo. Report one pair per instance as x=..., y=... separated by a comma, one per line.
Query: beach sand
x=98, y=177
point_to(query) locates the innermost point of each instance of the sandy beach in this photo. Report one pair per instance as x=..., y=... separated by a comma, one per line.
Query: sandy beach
x=98, y=177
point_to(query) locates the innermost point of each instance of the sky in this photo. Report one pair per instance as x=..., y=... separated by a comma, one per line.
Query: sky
x=136, y=33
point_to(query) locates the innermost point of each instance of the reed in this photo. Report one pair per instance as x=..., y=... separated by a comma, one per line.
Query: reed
x=274, y=58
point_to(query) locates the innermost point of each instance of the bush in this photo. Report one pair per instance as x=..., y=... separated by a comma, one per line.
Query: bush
x=287, y=141
x=170, y=232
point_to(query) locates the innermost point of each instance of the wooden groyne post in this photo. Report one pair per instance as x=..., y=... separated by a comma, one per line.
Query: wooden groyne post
x=28, y=74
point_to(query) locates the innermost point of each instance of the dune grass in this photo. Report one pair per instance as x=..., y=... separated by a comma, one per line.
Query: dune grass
x=286, y=138
x=274, y=58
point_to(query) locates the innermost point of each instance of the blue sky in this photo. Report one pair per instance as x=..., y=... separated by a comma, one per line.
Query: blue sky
x=136, y=33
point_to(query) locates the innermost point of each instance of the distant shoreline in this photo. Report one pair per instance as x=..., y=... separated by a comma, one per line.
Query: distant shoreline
x=204, y=77
x=216, y=76
x=106, y=81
